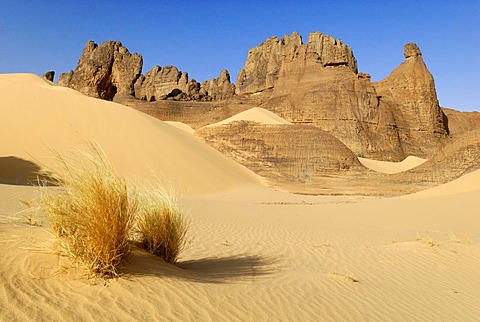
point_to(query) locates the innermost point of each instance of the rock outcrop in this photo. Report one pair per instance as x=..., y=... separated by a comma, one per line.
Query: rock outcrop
x=50, y=75
x=108, y=71
x=218, y=88
x=104, y=71
x=275, y=58
x=461, y=122
x=409, y=91
x=164, y=82
x=318, y=83
x=283, y=153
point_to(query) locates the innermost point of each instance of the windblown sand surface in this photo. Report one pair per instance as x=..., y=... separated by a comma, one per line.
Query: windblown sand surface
x=256, y=254
x=408, y=163
x=256, y=114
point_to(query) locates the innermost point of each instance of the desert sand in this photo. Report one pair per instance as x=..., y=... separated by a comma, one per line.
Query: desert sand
x=255, y=253
x=256, y=114
x=387, y=167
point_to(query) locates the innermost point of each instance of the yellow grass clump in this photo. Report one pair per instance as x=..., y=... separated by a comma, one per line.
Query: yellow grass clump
x=161, y=228
x=94, y=214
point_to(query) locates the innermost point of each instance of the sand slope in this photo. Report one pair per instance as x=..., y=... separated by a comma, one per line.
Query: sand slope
x=256, y=114
x=465, y=184
x=36, y=117
x=387, y=167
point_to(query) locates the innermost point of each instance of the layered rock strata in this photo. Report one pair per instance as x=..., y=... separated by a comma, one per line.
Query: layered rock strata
x=282, y=153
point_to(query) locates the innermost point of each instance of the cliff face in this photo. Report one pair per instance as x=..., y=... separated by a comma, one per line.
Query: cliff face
x=318, y=83
x=409, y=91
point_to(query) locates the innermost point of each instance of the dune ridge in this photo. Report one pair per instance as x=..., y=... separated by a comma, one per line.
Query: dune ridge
x=388, y=167
x=255, y=114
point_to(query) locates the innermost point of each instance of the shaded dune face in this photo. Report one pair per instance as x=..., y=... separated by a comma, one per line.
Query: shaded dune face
x=17, y=171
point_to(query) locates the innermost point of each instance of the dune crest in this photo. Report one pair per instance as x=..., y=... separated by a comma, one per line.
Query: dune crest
x=257, y=115
x=388, y=167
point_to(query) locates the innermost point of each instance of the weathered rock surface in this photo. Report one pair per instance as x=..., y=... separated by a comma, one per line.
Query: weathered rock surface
x=275, y=58
x=161, y=83
x=104, y=71
x=282, y=153
x=50, y=75
x=409, y=91
x=218, y=88
x=318, y=83
x=461, y=122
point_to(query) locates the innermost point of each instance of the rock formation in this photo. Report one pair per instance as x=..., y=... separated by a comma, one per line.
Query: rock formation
x=50, y=75
x=168, y=82
x=283, y=153
x=104, y=71
x=276, y=58
x=461, y=122
x=161, y=83
x=409, y=91
x=218, y=88
x=318, y=83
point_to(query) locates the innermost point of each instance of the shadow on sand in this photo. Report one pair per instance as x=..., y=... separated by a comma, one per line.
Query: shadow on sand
x=17, y=171
x=230, y=269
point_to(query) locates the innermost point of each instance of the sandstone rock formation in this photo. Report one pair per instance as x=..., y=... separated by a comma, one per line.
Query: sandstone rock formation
x=104, y=71
x=161, y=83
x=275, y=58
x=409, y=91
x=282, y=153
x=318, y=83
x=109, y=71
x=50, y=75
x=218, y=88
x=461, y=122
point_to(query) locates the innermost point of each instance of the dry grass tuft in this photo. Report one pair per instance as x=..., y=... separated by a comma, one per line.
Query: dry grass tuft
x=94, y=214
x=161, y=228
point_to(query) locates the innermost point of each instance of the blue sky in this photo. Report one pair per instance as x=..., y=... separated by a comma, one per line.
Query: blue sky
x=204, y=37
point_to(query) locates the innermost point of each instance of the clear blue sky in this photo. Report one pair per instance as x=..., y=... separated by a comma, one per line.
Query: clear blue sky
x=204, y=37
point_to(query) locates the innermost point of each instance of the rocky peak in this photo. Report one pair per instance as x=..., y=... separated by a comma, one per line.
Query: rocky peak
x=218, y=88
x=104, y=71
x=278, y=58
x=410, y=92
x=411, y=50
x=330, y=51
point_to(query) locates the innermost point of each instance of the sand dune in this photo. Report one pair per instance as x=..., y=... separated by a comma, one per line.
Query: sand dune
x=36, y=118
x=256, y=114
x=467, y=183
x=181, y=126
x=387, y=167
